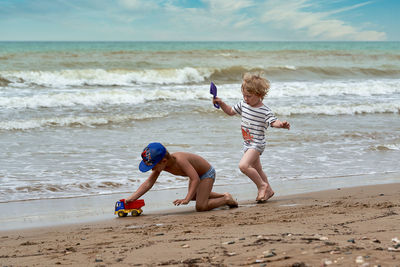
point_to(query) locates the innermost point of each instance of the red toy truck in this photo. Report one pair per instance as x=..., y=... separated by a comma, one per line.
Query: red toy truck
x=134, y=208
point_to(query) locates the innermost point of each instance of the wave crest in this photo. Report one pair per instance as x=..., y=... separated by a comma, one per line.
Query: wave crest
x=186, y=75
x=386, y=147
x=101, y=77
x=4, y=82
x=332, y=110
x=74, y=121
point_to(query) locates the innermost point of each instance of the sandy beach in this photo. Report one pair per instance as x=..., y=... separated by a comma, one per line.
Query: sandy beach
x=356, y=226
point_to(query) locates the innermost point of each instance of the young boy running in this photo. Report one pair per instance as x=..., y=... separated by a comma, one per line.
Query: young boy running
x=256, y=117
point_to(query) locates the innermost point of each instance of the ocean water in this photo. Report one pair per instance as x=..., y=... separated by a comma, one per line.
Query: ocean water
x=75, y=116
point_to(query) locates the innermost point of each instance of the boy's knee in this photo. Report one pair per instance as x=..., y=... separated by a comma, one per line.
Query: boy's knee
x=201, y=207
x=243, y=167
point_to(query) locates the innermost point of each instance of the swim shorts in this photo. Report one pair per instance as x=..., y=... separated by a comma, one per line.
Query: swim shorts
x=209, y=174
x=259, y=148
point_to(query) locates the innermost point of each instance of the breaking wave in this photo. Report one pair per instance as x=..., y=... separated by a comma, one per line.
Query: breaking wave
x=187, y=75
x=345, y=109
x=72, y=121
x=386, y=147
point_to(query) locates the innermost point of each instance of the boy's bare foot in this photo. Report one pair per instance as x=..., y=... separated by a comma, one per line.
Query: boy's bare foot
x=230, y=201
x=270, y=193
x=264, y=194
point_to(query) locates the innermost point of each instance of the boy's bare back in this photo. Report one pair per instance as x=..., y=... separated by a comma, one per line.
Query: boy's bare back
x=180, y=161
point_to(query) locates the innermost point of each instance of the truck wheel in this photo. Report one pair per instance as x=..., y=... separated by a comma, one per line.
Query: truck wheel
x=122, y=214
x=135, y=212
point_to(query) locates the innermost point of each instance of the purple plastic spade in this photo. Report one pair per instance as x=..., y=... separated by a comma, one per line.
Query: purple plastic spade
x=213, y=91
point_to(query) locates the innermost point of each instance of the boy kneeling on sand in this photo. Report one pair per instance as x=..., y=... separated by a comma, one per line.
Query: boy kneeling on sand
x=201, y=177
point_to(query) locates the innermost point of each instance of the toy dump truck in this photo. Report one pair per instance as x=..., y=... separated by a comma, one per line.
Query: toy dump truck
x=134, y=208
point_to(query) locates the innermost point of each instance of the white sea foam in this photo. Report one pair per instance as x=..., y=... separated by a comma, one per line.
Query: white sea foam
x=231, y=94
x=99, y=97
x=81, y=77
x=387, y=147
x=290, y=67
x=345, y=109
x=364, y=88
x=188, y=75
x=335, y=88
x=74, y=120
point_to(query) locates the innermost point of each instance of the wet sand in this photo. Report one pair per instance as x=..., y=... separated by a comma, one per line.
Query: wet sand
x=356, y=226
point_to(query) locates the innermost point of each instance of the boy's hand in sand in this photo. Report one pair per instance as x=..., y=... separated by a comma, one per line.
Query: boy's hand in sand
x=181, y=201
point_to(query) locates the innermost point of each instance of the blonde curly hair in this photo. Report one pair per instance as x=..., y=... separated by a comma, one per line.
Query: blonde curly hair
x=255, y=84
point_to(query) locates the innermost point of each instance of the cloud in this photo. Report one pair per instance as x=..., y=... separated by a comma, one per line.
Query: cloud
x=292, y=15
x=139, y=4
x=194, y=20
x=229, y=6
x=211, y=20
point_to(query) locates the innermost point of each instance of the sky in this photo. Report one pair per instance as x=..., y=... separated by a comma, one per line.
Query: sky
x=199, y=20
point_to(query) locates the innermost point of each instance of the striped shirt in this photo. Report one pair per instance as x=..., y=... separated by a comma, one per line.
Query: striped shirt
x=255, y=122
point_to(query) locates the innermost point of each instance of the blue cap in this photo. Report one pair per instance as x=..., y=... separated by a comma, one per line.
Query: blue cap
x=151, y=155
